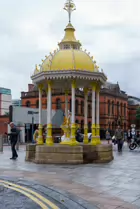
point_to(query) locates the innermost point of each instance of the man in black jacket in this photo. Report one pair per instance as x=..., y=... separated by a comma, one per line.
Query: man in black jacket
x=13, y=140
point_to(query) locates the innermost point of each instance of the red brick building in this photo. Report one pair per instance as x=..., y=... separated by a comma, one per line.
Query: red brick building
x=133, y=105
x=4, y=120
x=113, y=105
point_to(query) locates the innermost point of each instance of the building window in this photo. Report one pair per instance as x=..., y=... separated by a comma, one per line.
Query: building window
x=113, y=125
x=76, y=107
x=125, y=126
x=124, y=110
x=108, y=107
x=77, y=121
x=58, y=104
x=70, y=105
x=118, y=109
x=82, y=108
x=82, y=125
x=37, y=104
x=112, y=108
x=28, y=104
x=121, y=109
x=89, y=126
x=89, y=110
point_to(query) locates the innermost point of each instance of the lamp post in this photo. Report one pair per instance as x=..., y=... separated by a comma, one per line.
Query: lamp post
x=32, y=113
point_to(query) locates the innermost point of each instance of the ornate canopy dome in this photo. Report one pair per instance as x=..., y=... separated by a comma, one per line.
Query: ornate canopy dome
x=69, y=56
x=68, y=59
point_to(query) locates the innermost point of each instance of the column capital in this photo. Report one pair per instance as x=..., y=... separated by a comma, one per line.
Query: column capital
x=40, y=86
x=49, y=82
x=94, y=86
x=66, y=92
x=85, y=90
x=73, y=83
x=98, y=88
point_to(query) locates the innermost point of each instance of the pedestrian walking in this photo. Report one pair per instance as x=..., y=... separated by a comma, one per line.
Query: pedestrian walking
x=108, y=136
x=13, y=140
x=119, y=137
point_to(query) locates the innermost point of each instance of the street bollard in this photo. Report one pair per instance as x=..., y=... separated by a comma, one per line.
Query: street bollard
x=1, y=144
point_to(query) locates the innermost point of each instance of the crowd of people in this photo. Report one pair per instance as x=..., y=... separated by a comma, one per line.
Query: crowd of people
x=120, y=136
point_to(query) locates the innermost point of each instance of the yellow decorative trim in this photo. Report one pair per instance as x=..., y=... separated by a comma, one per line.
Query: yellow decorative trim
x=93, y=86
x=40, y=136
x=49, y=139
x=40, y=86
x=73, y=141
x=98, y=88
x=49, y=85
x=85, y=134
x=98, y=134
x=66, y=92
x=93, y=140
x=85, y=90
x=73, y=84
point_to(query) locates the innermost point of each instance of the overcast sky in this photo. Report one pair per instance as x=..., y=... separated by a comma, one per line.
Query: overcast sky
x=109, y=29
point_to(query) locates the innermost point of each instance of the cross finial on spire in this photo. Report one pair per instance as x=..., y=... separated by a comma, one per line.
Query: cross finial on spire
x=69, y=7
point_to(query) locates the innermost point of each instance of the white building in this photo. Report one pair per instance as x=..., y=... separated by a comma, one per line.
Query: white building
x=5, y=100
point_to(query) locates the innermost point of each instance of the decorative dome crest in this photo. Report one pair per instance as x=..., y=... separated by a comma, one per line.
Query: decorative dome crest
x=36, y=69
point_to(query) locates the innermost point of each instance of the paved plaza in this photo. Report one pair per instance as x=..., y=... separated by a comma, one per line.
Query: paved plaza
x=95, y=186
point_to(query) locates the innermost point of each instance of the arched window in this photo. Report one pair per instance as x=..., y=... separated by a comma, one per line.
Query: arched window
x=109, y=107
x=89, y=126
x=125, y=126
x=77, y=121
x=121, y=109
x=124, y=110
x=70, y=105
x=37, y=104
x=82, y=125
x=58, y=104
x=82, y=107
x=28, y=104
x=76, y=107
x=112, y=108
x=113, y=125
x=118, y=109
x=89, y=111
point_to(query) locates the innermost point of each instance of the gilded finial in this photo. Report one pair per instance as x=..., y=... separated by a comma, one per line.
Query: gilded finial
x=46, y=56
x=36, y=68
x=69, y=7
x=42, y=60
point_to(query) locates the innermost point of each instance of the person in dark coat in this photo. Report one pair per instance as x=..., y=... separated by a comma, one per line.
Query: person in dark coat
x=119, y=137
x=13, y=140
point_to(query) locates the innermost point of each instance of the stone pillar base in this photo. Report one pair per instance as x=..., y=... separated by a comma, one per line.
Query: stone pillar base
x=30, y=152
x=66, y=154
x=59, y=154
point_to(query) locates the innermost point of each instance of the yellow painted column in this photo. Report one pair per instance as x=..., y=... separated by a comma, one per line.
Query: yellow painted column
x=49, y=139
x=85, y=116
x=93, y=140
x=73, y=125
x=40, y=134
x=98, y=114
